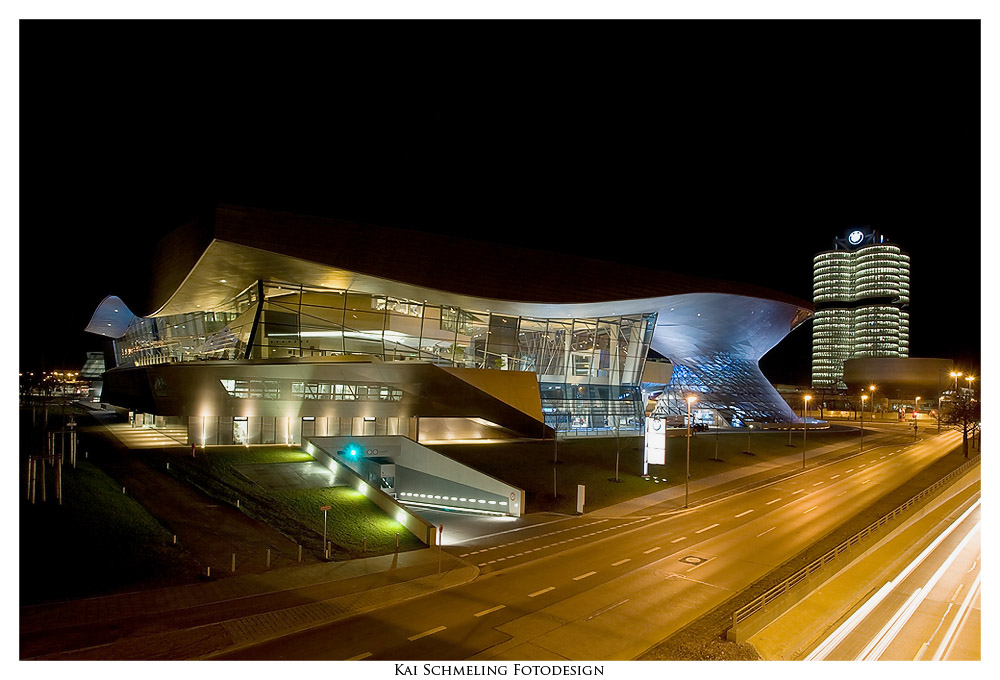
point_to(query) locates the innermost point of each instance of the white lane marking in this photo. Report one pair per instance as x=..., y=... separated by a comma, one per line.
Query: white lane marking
x=834, y=477
x=841, y=493
x=764, y=532
x=426, y=633
x=817, y=483
x=646, y=552
x=491, y=610
x=851, y=470
x=861, y=465
x=881, y=457
x=620, y=562
x=360, y=656
x=957, y=591
x=678, y=540
x=958, y=623
x=774, y=501
x=810, y=509
x=583, y=576
x=711, y=526
x=866, y=481
x=542, y=591
x=744, y=513
x=799, y=491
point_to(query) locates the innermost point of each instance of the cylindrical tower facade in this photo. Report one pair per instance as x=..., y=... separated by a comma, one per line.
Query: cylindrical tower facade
x=861, y=290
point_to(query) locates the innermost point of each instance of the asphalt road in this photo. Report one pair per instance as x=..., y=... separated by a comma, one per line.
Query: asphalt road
x=609, y=588
x=929, y=611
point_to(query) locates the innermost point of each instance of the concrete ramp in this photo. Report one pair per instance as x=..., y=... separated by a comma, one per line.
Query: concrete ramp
x=415, y=474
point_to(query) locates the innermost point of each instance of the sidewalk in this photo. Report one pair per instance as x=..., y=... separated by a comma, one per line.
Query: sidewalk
x=198, y=620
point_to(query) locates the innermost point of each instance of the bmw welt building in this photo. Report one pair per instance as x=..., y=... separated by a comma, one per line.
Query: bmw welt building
x=267, y=327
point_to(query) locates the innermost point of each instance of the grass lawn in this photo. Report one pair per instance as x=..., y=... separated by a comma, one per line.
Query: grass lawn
x=591, y=462
x=98, y=541
x=293, y=512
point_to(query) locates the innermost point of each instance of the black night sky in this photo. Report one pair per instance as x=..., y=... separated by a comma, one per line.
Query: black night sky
x=730, y=149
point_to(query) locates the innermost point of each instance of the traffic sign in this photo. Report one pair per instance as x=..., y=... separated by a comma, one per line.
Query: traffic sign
x=324, y=508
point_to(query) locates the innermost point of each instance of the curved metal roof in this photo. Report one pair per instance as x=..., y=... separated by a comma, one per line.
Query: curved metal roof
x=111, y=318
x=206, y=262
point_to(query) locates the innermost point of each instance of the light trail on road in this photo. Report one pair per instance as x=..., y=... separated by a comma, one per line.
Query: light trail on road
x=878, y=643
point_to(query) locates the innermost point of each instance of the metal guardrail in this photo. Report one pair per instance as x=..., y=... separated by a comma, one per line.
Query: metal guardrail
x=758, y=603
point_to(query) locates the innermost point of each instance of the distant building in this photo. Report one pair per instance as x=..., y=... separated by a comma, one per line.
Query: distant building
x=861, y=293
x=93, y=372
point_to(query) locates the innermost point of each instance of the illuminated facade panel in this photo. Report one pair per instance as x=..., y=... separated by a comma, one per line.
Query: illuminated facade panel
x=588, y=368
x=861, y=290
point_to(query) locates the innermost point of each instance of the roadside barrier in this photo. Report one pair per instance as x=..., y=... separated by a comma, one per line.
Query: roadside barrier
x=757, y=604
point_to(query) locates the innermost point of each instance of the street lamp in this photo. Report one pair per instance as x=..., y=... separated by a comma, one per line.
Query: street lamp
x=939, y=415
x=805, y=427
x=956, y=375
x=687, y=477
x=863, y=398
x=970, y=379
x=871, y=388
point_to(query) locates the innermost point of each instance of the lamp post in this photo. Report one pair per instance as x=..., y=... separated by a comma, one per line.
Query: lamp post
x=687, y=476
x=717, y=428
x=956, y=375
x=871, y=388
x=863, y=398
x=939, y=415
x=805, y=427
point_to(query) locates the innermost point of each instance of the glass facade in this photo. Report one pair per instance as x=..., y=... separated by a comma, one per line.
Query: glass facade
x=588, y=369
x=861, y=299
x=725, y=384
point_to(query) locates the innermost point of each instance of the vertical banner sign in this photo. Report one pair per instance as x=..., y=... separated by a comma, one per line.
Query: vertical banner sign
x=581, y=495
x=656, y=442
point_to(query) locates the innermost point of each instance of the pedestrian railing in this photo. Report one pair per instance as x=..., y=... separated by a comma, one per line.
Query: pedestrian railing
x=758, y=603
